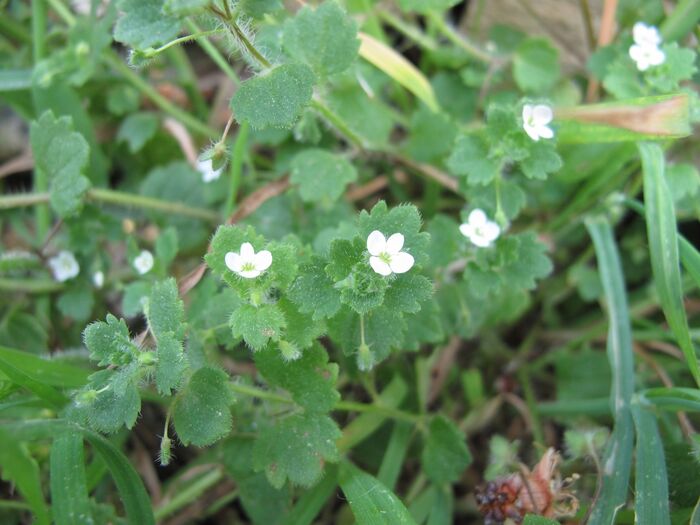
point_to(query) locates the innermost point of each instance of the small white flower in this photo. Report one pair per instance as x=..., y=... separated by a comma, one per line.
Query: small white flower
x=386, y=256
x=143, y=263
x=98, y=279
x=64, y=266
x=247, y=263
x=206, y=168
x=645, y=35
x=646, y=56
x=479, y=229
x=535, y=120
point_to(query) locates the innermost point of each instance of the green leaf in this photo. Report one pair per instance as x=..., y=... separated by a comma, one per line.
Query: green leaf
x=542, y=161
x=296, y=448
x=257, y=325
x=275, y=98
x=62, y=155
x=651, y=483
x=425, y=6
x=166, y=247
x=536, y=65
x=165, y=310
x=618, y=452
x=70, y=503
x=470, y=157
x=184, y=7
x=258, y=8
x=19, y=468
x=143, y=24
x=324, y=37
x=395, y=454
x=431, y=135
x=314, y=293
x=690, y=258
x=407, y=292
x=202, y=415
x=116, y=402
x=311, y=502
x=77, y=302
x=25, y=380
x=310, y=379
x=46, y=371
x=663, y=249
x=321, y=175
x=526, y=261
x=300, y=330
x=171, y=363
x=678, y=66
x=445, y=455
x=109, y=342
x=532, y=519
x=371, y=502
x=137, y=129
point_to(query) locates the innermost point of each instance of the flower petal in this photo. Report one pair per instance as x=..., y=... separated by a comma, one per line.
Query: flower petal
x=480, y=241
x=527, y=112
x=249, y=274
x=233, y=261
x=394, y=243
x=542, y=114
x=379, y=266
x=376, y=243
x=531, y=131
x=545, y=132
x=490, y=231
x=401, y=262
x=466, y=229
x=263, y=260
x=656, y=57
x=477, y=218
x=247, y=251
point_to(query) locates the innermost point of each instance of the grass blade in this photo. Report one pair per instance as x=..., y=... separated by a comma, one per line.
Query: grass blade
x=49, y=372
x=395, y=453
x=690, y=259
x=398, y=68
x=50, y=395
x=69, y=494
x=371, y=502
x=618, y=453
x=676, y=398
x=651, y=483
x=310, y=504
x=663, y=248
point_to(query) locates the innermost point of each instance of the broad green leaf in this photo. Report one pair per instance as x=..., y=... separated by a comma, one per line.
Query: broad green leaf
x=398, y=68
x=470, y=157
x=445, y=454
x=542, y=161
x=61, y=154
x=300, y=330
x=166, y=247
x=109, y=342
x=258, y=8
x=165, y=310
x=77, y=302
x=184, y=7
x=171, y=364
x=407, y=292
x=310, y=379
x=663, y=248
x=431, y=135
x=70, y=503
x=683, y=181
x=678, y=66
x=257, y=325
x=311, y=502
x=314, y=293
x=137, y=129
x=143, y=24
x=296, y=448
x=275, y=98
x=651, y=483
x=20, y=469
x=371, y=502
x=536, y=66
x=321, y=175
x=115, y=401
x=618, y=452
x=324, y=37
x=202, y=415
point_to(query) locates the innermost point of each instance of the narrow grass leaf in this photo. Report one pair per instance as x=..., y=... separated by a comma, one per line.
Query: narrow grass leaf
x=47, y=393
x=49, y=372
x=312, y=501
x=690, y=259
x=398, y=68
x=70, y=503
x=394, y=454
x=370, y=501
x=617, y=459
x=651, y=483
x=676, y=398
x=663, y=248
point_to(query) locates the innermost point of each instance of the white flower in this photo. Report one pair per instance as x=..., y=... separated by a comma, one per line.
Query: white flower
x=479, y=230
x=206, y=168
x=247, y=263
x=386, y=256
x=98, y=279
x=646, y=36
x=143, y=262
x=64, y=266
x=646, y=56
x=535, y=120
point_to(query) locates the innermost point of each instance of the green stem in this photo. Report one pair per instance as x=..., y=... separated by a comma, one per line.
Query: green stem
x=237, y=158
x=408, y=30
x=189, y=494
x=460, y=41
x=41, y=182
x=682, y=20
x=120, y=198
x=216, y=56
x=259, y=393
x=182, y=40
x=338, y=123
x=352, y=406
x=240, y=36
x=62, y=11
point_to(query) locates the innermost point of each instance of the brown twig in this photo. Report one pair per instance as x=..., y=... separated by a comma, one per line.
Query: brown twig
x=256, y=199
x=605, y=36
x=184, y=139
x=431, y=172
x=441, y=368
